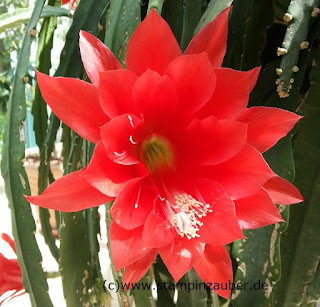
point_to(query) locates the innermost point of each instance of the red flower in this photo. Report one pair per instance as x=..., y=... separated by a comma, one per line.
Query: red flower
x=176, y=148
x=63, y=2
x=10, y=273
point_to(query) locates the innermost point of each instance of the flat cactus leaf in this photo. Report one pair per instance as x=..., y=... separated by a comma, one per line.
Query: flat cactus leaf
x=301, y=243
x=15, y=177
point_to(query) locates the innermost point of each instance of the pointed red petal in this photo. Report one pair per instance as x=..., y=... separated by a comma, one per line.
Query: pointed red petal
x=135, y=271
x=257, y=211
x=96, y=56
x=69, y=194
x=76, y=103
x=133, y=204
x=118, y=137
x=267, y=125
x=242, y=175
x=220, y=226
x=231, y=93
x=216, y=140
x=126, y=246
x=282, y=192
x=115, y=92
x=194, y=80
x=158, y=232
x=215, y=267
x=107, y=176
x=155, y=97
x=180, y=256
x=152, y=45
x=8, y=239
x=212, y=39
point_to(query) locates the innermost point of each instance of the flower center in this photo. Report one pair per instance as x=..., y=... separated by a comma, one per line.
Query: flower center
x=158, y=153
x=185, y=213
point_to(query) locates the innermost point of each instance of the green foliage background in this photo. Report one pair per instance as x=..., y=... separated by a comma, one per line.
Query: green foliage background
x=285, y=256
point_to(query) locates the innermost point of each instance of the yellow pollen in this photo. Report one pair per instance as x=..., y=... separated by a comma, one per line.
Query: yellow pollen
x=185, y=215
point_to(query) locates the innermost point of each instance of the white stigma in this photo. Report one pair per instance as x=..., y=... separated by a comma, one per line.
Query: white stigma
x=185, y=215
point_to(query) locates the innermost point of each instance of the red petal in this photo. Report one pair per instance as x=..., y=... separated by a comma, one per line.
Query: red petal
x=63, y=2
x=126, y=246
x=135, y=271
x=107, y=176
x=257, y=211
x=231, y=93
x=221, y=226
x=158, y=232
x=76, y=103
x=180, y=256
x=212, y=39
x=69, y=194
x=282, y=192
x=151, y=46
x=118, y=137
x=215, y=267
x=155, y=97
x=242, y=175
x=267, y=125
x=7, y=238
x=216, y=140
x=96, y=56
x=115, y=92
x=133, y=204
x=194, y=80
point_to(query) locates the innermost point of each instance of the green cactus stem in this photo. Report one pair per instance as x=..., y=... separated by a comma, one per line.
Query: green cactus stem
x=298, y=19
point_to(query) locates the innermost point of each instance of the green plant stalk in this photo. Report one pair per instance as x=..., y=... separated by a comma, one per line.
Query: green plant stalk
x=39, y=112
x=161, y=275
x=16, y=181
x=117, y=276
x=11, y=20
x=192, y=298
x=298, y=16
x=301, y=243
x=212, y=11
x=156, y=5
x=75, y=254
x=122, y=19
x=143, y=297
x=191, y=13
x=248, y=24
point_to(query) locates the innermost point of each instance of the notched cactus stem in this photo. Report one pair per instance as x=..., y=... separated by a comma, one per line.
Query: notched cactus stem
x=299, y=14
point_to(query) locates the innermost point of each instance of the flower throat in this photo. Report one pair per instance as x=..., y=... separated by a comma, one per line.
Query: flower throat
x=158, y=153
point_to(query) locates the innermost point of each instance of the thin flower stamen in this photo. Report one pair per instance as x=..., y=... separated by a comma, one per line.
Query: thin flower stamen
x=184, y=213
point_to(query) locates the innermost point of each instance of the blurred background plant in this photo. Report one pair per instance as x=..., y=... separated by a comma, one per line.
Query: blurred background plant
x=282, y=36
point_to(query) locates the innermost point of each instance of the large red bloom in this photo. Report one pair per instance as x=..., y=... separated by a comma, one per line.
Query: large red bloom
x=10, y=273
x=176, y=148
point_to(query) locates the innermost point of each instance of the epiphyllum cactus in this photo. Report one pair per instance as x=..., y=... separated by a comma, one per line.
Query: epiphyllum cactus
x=177, y=150
x=10, y=273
